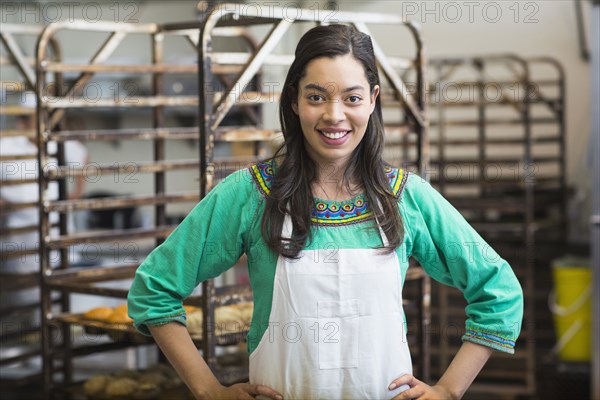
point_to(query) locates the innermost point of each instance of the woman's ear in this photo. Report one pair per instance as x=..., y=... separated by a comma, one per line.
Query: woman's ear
x=374, y=94
x=295, y=107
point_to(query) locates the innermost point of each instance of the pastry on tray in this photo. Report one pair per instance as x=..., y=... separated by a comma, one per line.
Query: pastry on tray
x=132, y=384
x=194, y=323
x=116, y=315
x=98, y=313
x=121, y=387
x=246, y=310
x=119, y=316
x=228, y=319
x=95, y=385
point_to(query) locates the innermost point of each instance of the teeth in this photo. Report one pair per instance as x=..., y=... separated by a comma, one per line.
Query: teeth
x=334, y=135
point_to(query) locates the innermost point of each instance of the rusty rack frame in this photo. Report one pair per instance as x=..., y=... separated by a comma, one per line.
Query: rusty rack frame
x=521, y=205
x=18, y=57
x=52, y=113
x=217, y=105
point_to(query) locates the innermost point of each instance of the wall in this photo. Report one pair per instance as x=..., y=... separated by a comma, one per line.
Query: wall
x=525, y=28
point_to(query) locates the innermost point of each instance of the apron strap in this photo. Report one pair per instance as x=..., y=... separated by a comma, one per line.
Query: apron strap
x=384, y=238
x=287, y=228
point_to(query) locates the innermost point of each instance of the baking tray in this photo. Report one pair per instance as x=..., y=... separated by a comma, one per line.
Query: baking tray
x=226, y=334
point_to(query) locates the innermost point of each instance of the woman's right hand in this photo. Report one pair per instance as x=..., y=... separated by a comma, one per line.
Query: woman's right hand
x=245, y=391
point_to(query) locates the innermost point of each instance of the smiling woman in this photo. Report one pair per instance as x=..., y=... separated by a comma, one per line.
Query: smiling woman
x=328, y=228
x=334, y=106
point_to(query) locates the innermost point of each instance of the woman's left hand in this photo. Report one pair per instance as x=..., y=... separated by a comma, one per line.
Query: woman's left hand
x=419, y=390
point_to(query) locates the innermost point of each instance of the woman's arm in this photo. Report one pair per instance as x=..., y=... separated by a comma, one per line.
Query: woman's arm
x=177, y=345
x=461, y=372
x=463, y=369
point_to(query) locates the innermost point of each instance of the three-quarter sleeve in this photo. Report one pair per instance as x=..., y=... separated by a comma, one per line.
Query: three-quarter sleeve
x=207, y=242
x=453, y=253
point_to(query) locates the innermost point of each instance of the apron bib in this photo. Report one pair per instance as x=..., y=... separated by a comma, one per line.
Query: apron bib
x=336, y=328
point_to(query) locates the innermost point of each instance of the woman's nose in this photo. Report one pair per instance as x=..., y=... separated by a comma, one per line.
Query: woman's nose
x=334, y=111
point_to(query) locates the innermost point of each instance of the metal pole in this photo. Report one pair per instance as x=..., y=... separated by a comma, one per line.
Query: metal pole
x=583, y=47
x=158, y=122
x=42, y=119
x=595, y=219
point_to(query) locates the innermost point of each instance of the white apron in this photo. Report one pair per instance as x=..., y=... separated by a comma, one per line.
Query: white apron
x=336, y=328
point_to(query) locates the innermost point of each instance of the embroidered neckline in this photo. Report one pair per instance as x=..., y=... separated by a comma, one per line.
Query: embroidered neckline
x=330, y=212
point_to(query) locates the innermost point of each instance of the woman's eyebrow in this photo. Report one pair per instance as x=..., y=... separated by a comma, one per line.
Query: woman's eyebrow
x=321, y=89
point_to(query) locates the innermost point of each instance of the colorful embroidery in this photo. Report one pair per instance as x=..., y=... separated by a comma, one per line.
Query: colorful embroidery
x=263, y=176
x=328, y=212
x=397, y=179
x=490, y=339
x=335, y=212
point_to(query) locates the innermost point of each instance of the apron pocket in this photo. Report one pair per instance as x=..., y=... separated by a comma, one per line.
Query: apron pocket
x=337, y=338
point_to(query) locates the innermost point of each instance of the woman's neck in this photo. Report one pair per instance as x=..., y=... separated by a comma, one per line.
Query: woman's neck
x=332, y=184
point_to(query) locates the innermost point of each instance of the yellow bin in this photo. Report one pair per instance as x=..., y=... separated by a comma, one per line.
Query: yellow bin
x=572, y=308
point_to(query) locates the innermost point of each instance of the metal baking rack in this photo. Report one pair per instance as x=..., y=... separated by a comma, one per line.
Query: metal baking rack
x=498, y=154
x=18, y=81
x=158, y=105
x=397, y=96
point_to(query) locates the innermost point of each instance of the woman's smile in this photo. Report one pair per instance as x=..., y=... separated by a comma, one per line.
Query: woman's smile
x=334, y=136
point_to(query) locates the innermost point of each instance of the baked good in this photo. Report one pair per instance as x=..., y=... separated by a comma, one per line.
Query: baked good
x=194, y=323
x=152, y=377
x=121, y=308
x=228, y=314
x=172, y=380
x=164, y=369
x=246, y=310
x=95, y=385
x=146, y=391
x=228, y=319
x=98, y=313
x=119, y=316
x=121, y=387
x=127, y=384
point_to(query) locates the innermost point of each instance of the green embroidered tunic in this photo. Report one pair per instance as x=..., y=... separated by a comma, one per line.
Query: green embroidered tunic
x=226, y=223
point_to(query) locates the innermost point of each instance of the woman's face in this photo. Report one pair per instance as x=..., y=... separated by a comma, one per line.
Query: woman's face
x=334, y=105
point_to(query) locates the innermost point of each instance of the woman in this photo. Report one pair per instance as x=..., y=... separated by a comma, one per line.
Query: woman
x=328, y=229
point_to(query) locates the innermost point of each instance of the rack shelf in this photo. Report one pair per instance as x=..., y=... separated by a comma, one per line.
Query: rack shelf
x=522, y=209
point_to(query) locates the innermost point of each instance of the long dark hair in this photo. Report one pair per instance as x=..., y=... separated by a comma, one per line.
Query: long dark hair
x=296, y=170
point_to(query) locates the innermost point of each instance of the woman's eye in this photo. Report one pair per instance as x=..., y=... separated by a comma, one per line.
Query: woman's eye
x=354, y=99
x=315, y=97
